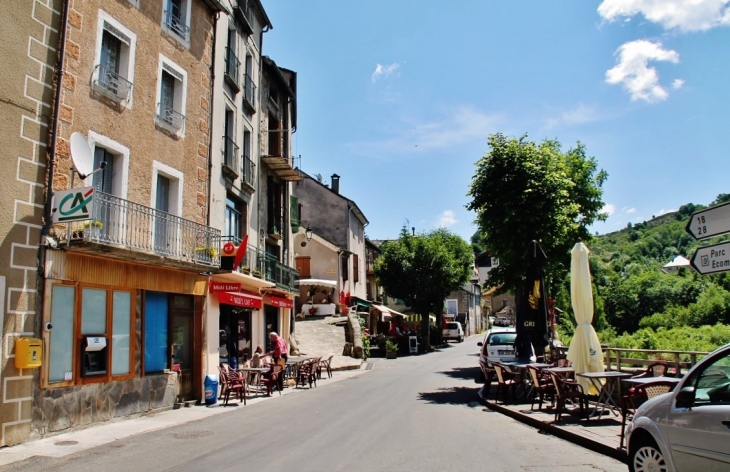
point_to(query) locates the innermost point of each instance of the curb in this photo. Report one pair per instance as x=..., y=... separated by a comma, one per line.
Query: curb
x=618, y=454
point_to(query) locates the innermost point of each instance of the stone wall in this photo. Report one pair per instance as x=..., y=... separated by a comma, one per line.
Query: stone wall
x=59, y=409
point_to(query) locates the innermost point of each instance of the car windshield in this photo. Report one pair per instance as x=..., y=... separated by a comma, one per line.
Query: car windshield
x=502, y=338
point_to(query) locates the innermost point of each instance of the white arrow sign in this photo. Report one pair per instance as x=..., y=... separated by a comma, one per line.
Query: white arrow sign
x=711, y=222
x=712, y=259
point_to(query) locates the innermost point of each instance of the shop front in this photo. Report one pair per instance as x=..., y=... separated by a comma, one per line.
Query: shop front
x=118, y=331
x=278, y=314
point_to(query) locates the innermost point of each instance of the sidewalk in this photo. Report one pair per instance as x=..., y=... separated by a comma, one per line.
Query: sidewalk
x=102, y=433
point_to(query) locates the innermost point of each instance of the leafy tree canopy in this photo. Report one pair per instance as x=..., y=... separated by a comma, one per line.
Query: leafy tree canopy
x=423, y=270
x=523, y=190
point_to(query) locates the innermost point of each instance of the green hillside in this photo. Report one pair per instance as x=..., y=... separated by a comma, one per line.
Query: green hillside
x=637, y=304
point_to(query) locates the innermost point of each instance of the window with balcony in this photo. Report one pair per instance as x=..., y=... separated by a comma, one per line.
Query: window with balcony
x=235, y=220
x=171, y=97
x=231, y=167
x=176, y=19
x=232, y=62
x=248, y=165
x=114, y=60
x=274, y=136
x=275, y=214
x=249, y=87
x=167, y=206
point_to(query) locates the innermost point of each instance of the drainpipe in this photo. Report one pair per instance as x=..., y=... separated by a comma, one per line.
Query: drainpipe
x=210, y=118
x=260, y=90
x=61, y=63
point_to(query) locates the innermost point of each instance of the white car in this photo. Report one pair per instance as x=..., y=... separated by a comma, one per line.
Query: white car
x=453, y=331
x=498, y=345
x=687, y=429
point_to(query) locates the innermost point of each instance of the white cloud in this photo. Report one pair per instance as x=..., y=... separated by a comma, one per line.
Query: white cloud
x=677, y=84
x=633, y=71
x=683, y=15
x=631, y=210
x=382, y=71
x=609, y=208
x=460, y=125
x=663, y=211
x=447, y=219
x=576, y=116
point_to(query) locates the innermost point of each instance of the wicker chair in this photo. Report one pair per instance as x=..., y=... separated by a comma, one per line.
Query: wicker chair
x=541, y=386
x=505, y=380
x=567, y=390
x=231, y=381
x=273, y=379
x=637, y=395
x=327, y=365
x=307, y=373
x=655, y=369
x=488, y=373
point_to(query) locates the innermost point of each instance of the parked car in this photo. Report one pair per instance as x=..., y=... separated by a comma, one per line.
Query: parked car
x=453, y=331
x=498, y=345
x=688, y=428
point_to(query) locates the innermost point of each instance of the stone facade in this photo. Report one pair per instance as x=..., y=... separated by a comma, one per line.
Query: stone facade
x=28, y=41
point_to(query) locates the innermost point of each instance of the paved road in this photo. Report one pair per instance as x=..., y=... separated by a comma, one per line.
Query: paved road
x=414, y=413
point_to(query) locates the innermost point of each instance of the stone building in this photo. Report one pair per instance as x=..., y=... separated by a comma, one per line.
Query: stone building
x=28, y=45
x=124, y=273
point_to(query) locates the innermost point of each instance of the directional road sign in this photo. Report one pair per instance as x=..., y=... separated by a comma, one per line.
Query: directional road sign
x=712, y=259
x=711, y=222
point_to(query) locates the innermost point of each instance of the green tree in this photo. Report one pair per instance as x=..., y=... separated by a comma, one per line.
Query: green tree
x=523, y=190
x=423, y=270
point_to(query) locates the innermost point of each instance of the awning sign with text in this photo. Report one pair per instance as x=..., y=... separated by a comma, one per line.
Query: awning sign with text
x=281, y=302
x=217, y=287
x=240, y=299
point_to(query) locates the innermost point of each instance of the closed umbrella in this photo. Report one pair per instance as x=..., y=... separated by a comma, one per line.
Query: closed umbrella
x=585, y=349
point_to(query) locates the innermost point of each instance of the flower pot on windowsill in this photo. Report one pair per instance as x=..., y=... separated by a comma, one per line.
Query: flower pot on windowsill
x=274, y=233
x=258, y=274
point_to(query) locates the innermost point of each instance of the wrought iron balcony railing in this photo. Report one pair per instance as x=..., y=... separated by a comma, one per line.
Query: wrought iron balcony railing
x=232, y=65
x=125, y=224
x=170, y=117
x=244, y=12
x=257, y=261
x=230, y=158
x=248, y=169
x=176, y=24
x=249, y=93
x=111, y=84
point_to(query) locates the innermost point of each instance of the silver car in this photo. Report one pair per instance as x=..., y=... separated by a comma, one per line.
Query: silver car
x=687, y=429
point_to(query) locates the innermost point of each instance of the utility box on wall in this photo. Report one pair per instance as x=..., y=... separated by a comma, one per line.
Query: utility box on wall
x=28, y=353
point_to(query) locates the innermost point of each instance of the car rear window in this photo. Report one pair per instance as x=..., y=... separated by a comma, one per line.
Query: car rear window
x=502, y=338
x=451, y=326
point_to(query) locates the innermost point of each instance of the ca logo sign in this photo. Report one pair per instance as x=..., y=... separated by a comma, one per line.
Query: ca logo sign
x=73, y=205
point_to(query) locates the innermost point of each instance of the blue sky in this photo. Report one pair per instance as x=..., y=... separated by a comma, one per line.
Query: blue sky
x=398, y=98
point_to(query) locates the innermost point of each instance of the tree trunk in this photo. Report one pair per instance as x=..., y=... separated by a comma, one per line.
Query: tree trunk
x=439, y=325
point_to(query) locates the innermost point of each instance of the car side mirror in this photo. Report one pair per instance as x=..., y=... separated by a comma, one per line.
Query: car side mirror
x=480, y=344
x=685, y=397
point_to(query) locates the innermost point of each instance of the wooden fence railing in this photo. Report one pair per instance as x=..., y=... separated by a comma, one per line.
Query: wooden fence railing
x=620, y=359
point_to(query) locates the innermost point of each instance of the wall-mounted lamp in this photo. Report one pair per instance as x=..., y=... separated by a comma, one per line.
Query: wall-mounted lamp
x=309, y=233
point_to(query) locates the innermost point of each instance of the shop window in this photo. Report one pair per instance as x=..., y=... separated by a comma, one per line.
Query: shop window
x=156, y=325
x=103, y=320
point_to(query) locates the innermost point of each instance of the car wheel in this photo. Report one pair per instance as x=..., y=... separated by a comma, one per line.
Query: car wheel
x=646, y=456
x=461, y=340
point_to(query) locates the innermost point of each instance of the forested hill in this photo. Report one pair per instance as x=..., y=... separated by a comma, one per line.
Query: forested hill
x=634, y=296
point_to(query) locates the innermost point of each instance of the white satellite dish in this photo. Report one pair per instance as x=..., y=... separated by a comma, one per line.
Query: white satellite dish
x=319, y=178
x=81, y=155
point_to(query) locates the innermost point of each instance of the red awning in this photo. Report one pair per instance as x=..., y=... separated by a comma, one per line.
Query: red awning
x=242, y=299
x=281, y=302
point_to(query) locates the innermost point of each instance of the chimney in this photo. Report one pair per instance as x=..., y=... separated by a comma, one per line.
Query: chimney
x=336, y=183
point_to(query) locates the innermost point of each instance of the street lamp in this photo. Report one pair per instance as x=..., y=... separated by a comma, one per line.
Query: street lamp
x=308, y=233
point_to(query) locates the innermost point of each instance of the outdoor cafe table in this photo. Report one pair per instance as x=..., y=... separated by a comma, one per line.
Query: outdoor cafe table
x=606, y=390
x=646, y=380
x=256, y=372
x=562, y=371
x=524, y=376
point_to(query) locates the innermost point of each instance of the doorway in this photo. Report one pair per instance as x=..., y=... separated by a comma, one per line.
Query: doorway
x=182, y=337
x=271, y=323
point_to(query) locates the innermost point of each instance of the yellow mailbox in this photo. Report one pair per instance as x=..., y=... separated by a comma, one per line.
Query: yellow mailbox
x=28, y=353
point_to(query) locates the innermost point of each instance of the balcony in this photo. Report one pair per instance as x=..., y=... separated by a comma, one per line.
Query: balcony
x=244, y=14
x=176, y=24
x=232, y=65
x=249, y=93
x=111, y=85
x=130, y=231
x=261, y=264
x=170, y=119
x=248, y=170
x=282, y=166
x=230, y=160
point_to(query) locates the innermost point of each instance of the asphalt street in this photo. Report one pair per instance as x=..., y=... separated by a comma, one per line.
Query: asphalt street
x=412, y=413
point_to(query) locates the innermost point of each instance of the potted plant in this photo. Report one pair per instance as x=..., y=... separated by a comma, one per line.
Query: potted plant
x=391, y=349
x=313, y=310
x=206, y=252
x=257, y=274
x=274, y=233
x=94, y=226
x=245, y=269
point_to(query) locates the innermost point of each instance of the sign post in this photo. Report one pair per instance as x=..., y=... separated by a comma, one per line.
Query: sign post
x=705, y=224
x=712, y=259
x=710, y=222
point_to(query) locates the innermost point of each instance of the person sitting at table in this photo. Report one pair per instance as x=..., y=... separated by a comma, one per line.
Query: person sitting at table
x=256, y=360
